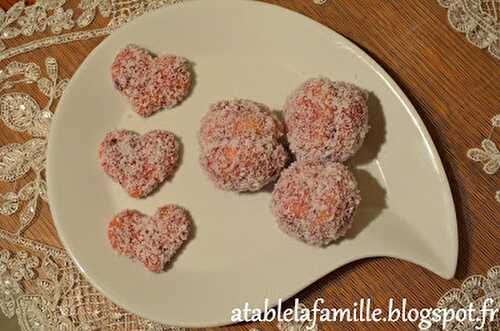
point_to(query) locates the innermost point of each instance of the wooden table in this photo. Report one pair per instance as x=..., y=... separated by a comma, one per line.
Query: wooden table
x=455, y=88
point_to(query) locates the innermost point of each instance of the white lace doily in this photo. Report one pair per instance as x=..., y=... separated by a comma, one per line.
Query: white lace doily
x=488, y=154
x=49, y=293
x=479, y=20
x=475, y=290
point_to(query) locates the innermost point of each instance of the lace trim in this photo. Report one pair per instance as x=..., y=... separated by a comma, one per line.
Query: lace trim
x=49, y=293
x=39, y=17
x=54, y=40
x=20, y=112
x=33, y=245
x=475, y=289
x=488, y=154
x=478, y=19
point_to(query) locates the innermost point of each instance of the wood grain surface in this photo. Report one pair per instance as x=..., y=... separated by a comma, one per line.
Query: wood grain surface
x=455, y=88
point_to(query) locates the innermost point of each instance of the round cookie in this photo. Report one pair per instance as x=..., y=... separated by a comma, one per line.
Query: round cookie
x=326, y=120
x=240, y=145
x=244, y=165
x=241, y=119
x=315, y=201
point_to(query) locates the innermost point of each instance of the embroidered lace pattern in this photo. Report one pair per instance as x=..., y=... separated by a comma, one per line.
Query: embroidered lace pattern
x=45, y=291
x=475, y=290
x=488, y=154
x=478, y=20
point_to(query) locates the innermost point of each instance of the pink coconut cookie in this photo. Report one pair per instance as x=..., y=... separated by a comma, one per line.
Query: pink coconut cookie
x=139, y=163
x=315, y=202
x=326, y=120
x=240, y=145
x=153, y=241
x=241, y=119
x=150, y=84
x=244, y=165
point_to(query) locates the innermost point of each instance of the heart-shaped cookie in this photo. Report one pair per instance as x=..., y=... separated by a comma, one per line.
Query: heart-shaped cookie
x=139, y=163
x=151, y=84
x=154, y=240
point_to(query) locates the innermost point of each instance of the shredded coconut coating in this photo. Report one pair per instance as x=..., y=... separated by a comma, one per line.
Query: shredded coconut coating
x=240, y=147
x=244, y=165
x=153, y=241
x=139, y=163
x=326, y=120
x=315, y=201
x=242, y=119
x=151, y=84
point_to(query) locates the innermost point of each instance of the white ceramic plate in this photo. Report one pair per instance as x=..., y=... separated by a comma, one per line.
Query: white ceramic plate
x=241, y=49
